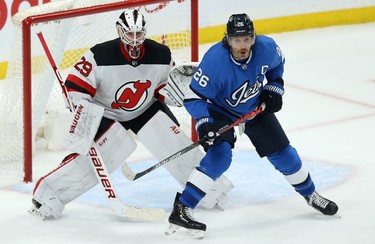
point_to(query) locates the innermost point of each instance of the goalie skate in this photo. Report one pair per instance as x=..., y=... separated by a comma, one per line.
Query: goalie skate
x=36, y=211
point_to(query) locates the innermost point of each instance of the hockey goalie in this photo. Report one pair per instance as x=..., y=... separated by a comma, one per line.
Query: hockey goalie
x=123, y=84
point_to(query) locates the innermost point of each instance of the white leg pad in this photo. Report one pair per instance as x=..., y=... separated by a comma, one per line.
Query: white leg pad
x=51, y=206
x=216, y=197
x=161, y=137
x=75, y=175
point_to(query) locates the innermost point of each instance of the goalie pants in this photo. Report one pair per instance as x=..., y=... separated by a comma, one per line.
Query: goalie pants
x=137, y=123
x=269, y=139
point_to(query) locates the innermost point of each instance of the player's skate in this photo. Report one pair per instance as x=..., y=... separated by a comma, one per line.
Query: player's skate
x=181, y=216
x=323, y=205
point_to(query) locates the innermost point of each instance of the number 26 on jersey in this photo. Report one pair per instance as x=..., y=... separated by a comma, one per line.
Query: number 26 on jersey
x=201, y=78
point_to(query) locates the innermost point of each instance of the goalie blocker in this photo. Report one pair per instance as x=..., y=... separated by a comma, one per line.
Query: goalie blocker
x=85, y=124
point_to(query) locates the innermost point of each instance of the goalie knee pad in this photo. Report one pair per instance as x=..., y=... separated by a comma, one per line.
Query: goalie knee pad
x=75, y=175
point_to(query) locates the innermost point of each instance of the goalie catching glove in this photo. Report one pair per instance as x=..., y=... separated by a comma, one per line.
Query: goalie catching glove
x=178, y=83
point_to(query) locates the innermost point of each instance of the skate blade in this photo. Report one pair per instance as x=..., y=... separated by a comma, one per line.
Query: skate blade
x=176, y=230
x=323, y=216
x=37, y=213
x=172, y=229
x=196, y=234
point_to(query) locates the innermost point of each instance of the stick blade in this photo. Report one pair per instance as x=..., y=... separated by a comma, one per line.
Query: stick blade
x=127, y=172
x=144, y=214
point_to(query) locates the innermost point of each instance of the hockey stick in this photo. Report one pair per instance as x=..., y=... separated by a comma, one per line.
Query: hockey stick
x=130, y=175
x=101, y=172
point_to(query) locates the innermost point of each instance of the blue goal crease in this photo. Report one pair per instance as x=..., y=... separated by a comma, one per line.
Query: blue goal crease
x=255, y=180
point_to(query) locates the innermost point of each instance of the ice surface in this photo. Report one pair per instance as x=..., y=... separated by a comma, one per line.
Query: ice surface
x=328, y=114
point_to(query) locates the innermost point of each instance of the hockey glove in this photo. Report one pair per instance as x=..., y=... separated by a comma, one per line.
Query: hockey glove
x=272, y=96
x=206, y=133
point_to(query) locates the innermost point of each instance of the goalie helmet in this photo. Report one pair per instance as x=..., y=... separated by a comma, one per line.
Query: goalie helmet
x=132, y=31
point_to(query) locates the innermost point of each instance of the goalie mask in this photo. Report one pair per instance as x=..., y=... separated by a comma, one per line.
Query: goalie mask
x=132, y=31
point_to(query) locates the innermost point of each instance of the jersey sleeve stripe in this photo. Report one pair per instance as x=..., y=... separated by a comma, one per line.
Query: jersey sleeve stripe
x=74, y=83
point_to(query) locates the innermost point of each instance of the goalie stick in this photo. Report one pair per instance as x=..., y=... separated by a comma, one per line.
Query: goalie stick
x=101, y=172
x=130, y=175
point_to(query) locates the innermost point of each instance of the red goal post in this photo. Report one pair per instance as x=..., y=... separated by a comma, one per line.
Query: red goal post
x=28, y=89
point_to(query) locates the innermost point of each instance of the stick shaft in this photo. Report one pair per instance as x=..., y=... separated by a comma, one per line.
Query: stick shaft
x=130, y=175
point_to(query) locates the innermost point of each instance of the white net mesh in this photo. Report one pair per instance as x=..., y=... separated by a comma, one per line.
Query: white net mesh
x=68, y=39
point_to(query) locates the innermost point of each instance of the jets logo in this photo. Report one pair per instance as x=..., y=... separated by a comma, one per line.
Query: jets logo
x=131, y=95
x=244, y=93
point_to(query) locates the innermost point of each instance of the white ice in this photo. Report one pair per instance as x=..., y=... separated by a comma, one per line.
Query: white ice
x=328, y=114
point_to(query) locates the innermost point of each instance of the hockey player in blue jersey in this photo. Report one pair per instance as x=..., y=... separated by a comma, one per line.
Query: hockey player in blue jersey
x=234, y=77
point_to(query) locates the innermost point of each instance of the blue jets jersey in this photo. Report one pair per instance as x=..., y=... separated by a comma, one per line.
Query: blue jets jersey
x=230, y=86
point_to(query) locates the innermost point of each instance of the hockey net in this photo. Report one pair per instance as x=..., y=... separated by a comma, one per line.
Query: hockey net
x=30, y=94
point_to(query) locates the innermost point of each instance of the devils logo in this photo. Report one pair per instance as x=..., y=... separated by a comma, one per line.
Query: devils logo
x=131, y=95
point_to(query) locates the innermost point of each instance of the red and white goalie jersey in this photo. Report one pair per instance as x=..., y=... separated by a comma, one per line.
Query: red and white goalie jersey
x=107, y=76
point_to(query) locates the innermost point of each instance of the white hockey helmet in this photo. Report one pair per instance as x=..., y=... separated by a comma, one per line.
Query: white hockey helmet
x=132, y=31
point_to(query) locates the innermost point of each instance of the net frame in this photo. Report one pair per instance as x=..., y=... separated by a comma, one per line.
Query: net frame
x=64, y=14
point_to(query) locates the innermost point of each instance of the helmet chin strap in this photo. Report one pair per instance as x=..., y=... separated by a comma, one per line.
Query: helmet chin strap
x=134, y=51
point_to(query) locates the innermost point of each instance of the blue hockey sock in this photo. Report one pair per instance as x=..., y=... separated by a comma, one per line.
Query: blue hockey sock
x=288, y=162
